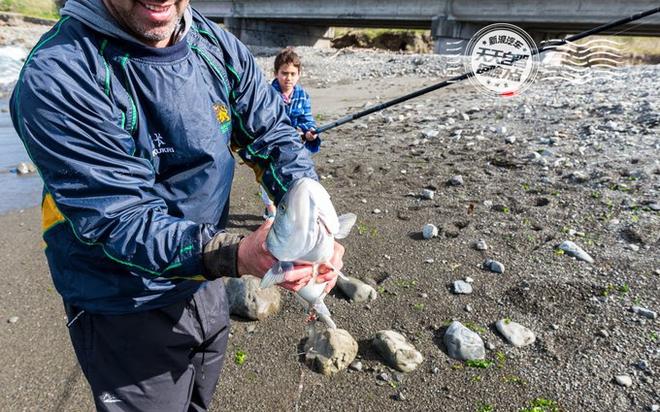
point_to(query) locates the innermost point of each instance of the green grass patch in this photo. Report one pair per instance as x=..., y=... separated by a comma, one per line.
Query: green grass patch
x=485, y=407
x=515, y=380
x=240, y=357
x=371, y=34
x=479, y=363
x=542, y=405
x=475, y=328
x=500, y=358
x=45, y=9
x=405, y=283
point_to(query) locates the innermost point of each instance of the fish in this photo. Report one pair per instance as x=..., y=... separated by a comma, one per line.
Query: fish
x=303, y=232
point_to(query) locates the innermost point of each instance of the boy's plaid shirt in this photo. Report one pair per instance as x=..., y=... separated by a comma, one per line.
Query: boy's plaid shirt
x=299, y=110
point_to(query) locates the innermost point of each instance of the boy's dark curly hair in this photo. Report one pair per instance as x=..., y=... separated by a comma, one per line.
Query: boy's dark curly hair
x=287, y=56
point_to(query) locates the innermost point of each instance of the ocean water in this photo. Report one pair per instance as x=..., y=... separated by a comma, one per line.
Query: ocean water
x=16, y=191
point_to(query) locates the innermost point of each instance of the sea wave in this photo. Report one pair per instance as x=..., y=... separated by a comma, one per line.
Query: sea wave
x=11, y=61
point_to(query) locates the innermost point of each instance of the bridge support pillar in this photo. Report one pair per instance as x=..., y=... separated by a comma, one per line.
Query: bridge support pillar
x=279, y=34
x=451, y=37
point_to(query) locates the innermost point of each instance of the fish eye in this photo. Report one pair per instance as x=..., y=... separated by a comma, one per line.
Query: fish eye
x=282, y=207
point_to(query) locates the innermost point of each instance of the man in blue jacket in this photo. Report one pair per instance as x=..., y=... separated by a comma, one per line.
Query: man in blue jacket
x=131, y=111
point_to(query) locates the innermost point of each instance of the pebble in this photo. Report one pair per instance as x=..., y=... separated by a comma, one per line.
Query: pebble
x=480, y=245
x=647, y=313
x=356, y=290
x=623, y=380
x=510, y=139
x=376, y=211
x=493, y=266
x=462, y=288
x=517, y=334
x=429, y=231
x=12, y=319
x=573, y=250
x=397, y=352
x=24, y=168
x=356, y=366
x=456, y=180
x=430, y=134
x=428, y=194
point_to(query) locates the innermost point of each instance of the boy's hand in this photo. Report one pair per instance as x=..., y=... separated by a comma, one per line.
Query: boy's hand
x=310, y=135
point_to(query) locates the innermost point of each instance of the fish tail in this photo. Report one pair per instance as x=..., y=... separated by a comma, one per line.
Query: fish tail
x=324, y=313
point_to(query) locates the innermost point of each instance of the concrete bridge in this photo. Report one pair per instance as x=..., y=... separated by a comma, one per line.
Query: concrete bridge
x=309, y=22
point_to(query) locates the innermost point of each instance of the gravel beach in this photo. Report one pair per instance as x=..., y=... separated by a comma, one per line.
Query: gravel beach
x=511, y=179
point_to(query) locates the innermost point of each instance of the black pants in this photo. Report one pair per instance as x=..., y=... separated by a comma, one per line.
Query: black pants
x=166, y=359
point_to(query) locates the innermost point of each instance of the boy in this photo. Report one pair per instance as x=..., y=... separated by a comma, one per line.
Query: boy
x=287, y=70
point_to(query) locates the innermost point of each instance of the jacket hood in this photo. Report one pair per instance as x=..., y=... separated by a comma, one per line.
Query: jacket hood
x=94, y=14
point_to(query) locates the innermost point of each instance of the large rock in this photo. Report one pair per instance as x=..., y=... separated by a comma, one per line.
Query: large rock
x=356, y=290
x=330, y=351
x=248, y=300
x=396, y=351
x=462, y=343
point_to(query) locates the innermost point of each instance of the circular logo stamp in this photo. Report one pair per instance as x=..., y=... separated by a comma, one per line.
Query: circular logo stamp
x=503, y=58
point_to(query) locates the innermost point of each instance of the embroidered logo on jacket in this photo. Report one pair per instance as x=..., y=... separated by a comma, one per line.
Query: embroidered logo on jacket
x=222, y=116
x=159, y=145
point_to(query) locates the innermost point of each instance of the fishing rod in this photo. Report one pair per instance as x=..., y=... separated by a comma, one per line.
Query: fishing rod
x=552, y=45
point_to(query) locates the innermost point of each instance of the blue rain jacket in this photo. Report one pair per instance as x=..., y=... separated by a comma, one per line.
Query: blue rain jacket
x=135, y=146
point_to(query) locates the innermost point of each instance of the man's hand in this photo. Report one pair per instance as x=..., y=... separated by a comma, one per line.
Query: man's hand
x=310, y=135
x=253, y=257
x=329, y=273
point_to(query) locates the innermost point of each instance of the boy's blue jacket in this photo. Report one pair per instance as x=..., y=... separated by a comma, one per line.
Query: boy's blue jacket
x=299, y=110
x=134, y=145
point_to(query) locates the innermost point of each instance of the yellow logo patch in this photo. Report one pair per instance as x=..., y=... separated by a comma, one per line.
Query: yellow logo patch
x=221, y=113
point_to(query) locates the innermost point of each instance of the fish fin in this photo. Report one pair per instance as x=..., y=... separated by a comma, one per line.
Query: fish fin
x=324, y=313
x=346, y=222
x=274, y=275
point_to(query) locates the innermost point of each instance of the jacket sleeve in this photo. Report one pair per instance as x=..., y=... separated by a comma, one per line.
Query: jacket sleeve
x=262, y=132
x=306, y=122
x=74, y=135
x=305, y=119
